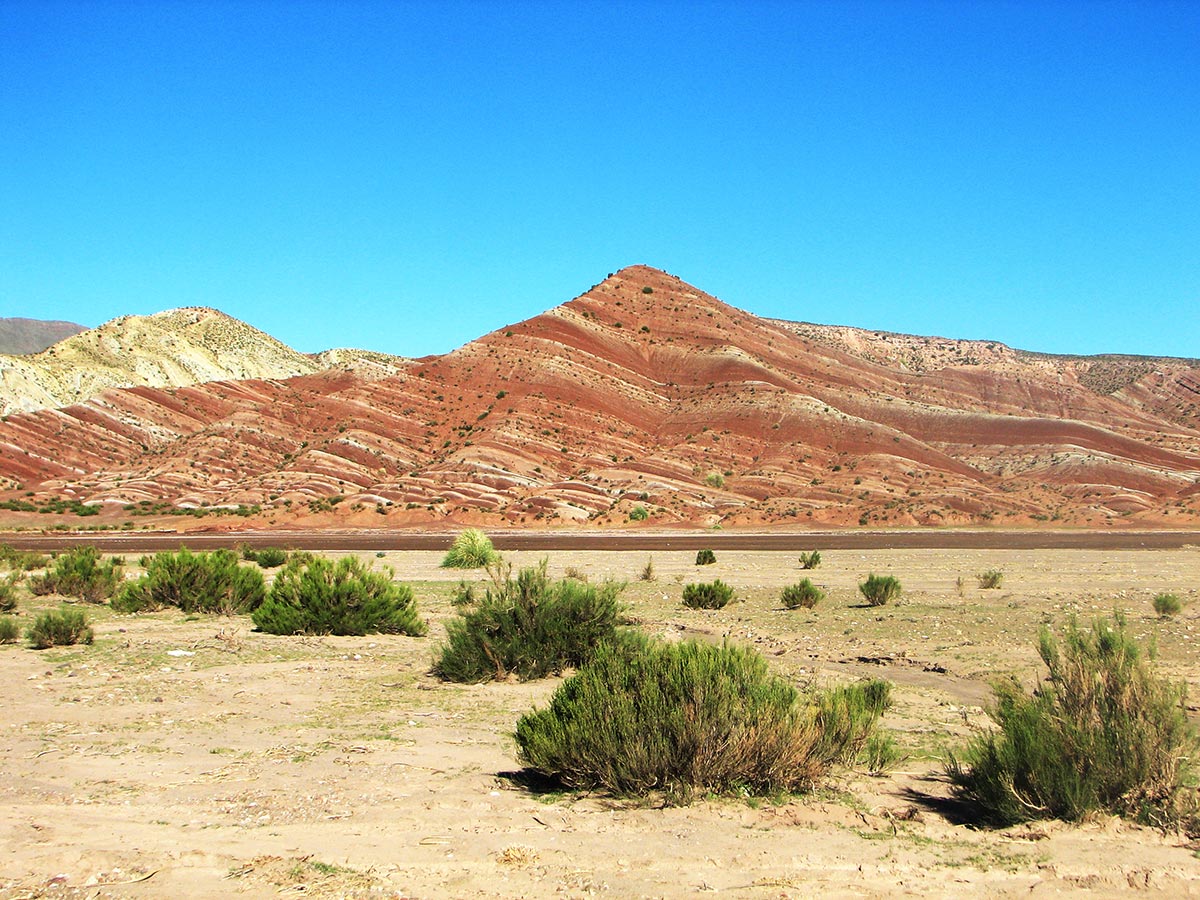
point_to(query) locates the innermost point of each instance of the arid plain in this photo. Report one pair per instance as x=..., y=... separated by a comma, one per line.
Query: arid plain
x=193, y=756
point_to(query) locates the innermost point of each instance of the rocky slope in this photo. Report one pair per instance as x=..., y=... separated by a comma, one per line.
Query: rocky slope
x=23, y=336
x=644, y=394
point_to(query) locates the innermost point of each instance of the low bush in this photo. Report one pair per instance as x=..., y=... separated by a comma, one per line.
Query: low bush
x=80, y=572
x=713, y=595
x=990, y=579
x=193, y=582
x=529, y=627
x=647, y=573
x=810, y=560
x=803, y=595
x=8, y=592
x=705, y=558
x=10, y=630
x=59, y=629
x=21, y=560
x=471, y=550
x=270, y=557
x=688, y=718
x=324, y=597
x=639, y=514
x=1102, y=734
x=880, y=589
x=1167, y=605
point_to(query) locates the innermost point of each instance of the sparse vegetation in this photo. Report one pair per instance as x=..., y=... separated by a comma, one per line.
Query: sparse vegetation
x=80, y=572
x=879, y=590
x=193, y=582
x=59, y=629
x=8, y=592
x=647, y=573
x=804, y=595
x=345, y=598
x=810, y=560
x=21, y=560
x=529, y=627
x=712, y=595
x=1103, y=734
x=705, y=558
x=991, y=579
x=690, y=718
x=1167, y=605
x=471, y=550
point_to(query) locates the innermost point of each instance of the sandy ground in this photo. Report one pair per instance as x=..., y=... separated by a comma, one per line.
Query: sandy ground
x=192, y=757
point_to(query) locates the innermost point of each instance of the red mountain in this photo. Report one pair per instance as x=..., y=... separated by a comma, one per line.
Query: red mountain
x=646, y=392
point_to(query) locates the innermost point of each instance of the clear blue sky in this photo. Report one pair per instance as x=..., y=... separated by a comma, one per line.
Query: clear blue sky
x=408, y=176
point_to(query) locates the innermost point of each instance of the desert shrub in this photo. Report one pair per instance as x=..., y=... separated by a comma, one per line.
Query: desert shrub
x=810, y=560
x=471, y=550
x=711, y=595
x=692, y=717
x=705, y=558
x=1102, y=733
x=805, y=594
x=715, y=479
x=80, y=572
x=464, y=595
x=647, y=573
x=990, y=579
x=270, y=557
x=575, y=572
x=8, y=592
x=324, y=597
x=21, y=560
x=639, y=514
x=880, y=589
x=59, y=629
x=194, y=582
x=1167, y=605
x=10, y=630
x=529, y=627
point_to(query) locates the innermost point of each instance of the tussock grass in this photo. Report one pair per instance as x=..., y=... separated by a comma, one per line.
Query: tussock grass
x=804, y=595
x=471, y=550
x=1103, y=734
x=879, y=590
x=810, y=560
x=645, y=716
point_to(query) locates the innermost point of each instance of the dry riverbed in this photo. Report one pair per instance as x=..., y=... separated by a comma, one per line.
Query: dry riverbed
x=193, y=757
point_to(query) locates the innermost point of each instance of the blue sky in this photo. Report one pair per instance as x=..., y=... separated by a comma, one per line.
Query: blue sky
x=408, y=176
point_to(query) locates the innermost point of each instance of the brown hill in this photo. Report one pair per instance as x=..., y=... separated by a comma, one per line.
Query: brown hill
x=23, y=336
x=645, y=392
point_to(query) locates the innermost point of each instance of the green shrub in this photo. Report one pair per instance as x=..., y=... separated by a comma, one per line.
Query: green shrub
x=471, y=550
x=529, y=627
x=10, y=630
x=21, y=560
x=644, y=716
x=647, y=573
x=638, y=514
x=270, y=557
x=713, y=595
x=8, y=592
x=59, y=629
x=705, y=558
x=1103, y=733
x=193, y=582
x=810, y=560
x=805, y=594
x=715, y=479
x=81, y=573
x=990, y=579
x=880, y=589
x=323, y=597
x=1167, y=605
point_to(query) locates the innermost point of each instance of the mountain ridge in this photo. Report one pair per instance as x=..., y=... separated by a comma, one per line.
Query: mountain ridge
x=641, y=392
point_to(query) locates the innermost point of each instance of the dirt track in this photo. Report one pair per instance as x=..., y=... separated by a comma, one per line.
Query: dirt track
x=624, y=541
